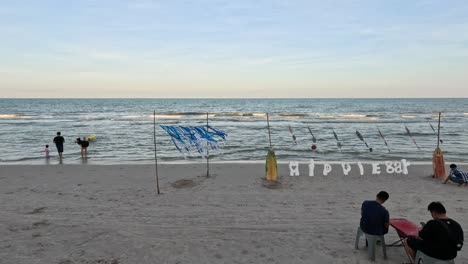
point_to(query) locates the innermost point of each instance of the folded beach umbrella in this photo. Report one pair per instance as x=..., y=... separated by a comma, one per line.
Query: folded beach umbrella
x=438, y=162
x=271, y=165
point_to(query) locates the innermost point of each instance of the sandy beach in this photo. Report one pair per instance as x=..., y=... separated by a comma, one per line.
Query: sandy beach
x=111, y=214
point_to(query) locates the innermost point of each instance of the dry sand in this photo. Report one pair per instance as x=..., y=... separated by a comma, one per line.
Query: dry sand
x=111, y=214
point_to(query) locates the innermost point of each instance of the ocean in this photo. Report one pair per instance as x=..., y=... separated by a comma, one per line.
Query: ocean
x=124, y=129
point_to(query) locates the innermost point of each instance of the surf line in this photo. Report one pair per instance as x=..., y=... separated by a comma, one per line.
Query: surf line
x=391, y=167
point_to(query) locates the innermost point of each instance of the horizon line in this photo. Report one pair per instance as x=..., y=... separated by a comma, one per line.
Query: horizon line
x=221, y=98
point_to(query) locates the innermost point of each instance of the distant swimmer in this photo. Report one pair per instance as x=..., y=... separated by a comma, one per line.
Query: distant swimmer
x=84, y=147
x=59, y=140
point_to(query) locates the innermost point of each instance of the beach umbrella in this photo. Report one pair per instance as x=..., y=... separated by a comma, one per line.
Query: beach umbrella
x=383, y=138
x=359, y=135
x=338, y=143
x=438, y=162
x=409, y=134
x=271, y=164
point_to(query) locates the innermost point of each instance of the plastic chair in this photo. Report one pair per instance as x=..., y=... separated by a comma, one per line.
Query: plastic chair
x=371, y=242
x=422, y=258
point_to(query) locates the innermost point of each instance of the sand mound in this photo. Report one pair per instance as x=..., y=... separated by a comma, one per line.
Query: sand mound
x=271, y=184
x=183, y=183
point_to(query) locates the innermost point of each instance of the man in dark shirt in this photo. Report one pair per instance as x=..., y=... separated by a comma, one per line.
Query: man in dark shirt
x=374, y=217
x=440, y=238
x=59, y=140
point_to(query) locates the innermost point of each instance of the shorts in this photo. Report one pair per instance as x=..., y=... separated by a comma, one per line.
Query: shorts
x=456, y=180
x=59, y=148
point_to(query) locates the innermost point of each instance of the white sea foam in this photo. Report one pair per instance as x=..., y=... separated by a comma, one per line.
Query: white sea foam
x=353, y=116
x=131, y=117
x=348, y=116
x=327, y=116
x=13, y=116
x=408, y=116
x=165, y=116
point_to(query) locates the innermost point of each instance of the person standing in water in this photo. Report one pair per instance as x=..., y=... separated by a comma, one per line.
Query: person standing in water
x=59, y=140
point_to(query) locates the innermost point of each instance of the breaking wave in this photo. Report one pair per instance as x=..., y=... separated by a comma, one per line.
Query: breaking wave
x=13, y=116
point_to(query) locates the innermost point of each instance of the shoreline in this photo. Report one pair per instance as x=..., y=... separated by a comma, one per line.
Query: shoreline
x=55, y=161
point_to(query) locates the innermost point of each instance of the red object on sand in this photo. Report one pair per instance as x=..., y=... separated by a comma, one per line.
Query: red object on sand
x=405, y=228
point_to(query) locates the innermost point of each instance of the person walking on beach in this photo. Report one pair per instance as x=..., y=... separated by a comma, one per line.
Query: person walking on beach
x=457, y=176
x=440, y=238
x=84, y=147
x=375, y=219
x=59, y=140
x=47, y=151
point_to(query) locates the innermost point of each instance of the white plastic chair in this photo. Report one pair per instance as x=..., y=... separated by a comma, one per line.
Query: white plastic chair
x=422, y=258
x=371, y=242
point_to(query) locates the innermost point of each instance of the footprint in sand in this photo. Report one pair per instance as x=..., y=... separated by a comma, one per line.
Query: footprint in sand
x=37, y=210
x=40, y=224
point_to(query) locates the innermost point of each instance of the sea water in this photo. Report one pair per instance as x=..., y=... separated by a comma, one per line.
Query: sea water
x=124, y=129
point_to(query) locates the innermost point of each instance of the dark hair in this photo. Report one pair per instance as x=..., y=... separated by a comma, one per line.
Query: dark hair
x=436, y=207
x=58, y=133
x=383, y=195
x=46, y=146
x=453, y=166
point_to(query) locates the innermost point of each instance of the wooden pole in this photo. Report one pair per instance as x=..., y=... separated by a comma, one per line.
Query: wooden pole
x=438, y=131
x=269, y=133
x=207, y=151
x=155, y=152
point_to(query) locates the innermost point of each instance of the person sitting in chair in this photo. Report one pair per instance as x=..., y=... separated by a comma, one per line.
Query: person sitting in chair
x=440, y=238
x=374, y=217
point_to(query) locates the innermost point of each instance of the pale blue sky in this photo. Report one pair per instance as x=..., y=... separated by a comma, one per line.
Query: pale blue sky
x=353, y=48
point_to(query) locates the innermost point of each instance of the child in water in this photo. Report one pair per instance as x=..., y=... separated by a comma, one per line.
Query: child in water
x=84, y=146
x=47, y=151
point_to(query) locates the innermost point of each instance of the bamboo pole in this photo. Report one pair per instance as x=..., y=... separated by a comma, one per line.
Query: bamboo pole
x=269, y=133
x=155, y=152
x=438, y=132
x=207, y=151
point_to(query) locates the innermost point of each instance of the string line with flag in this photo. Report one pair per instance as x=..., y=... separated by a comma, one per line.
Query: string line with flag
x=195, y=138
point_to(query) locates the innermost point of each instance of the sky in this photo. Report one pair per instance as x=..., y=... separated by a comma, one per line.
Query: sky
x=240, y=49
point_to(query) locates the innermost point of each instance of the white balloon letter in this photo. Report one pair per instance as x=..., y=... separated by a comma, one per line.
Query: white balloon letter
x=361, y=168
x=293, y=168
x=311, y=167
x=327, y=168
x=405, y=164
x=375, y=168
x=346, y=168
